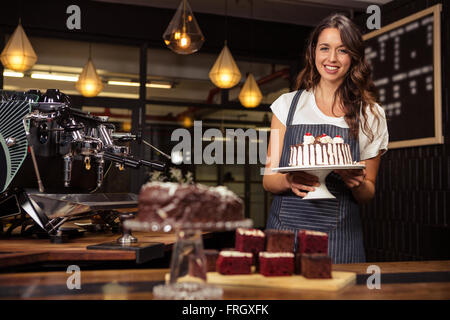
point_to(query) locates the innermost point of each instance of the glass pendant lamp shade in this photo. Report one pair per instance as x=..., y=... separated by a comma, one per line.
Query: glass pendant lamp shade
x=250, y=95
x=183, y=35
x=18, y=54
x=89, y=83
x=225, y=73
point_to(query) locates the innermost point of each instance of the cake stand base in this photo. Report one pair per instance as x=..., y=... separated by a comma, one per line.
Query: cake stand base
x=187, y=291
x=188, y=257
x=188, y=271
x=321, y=191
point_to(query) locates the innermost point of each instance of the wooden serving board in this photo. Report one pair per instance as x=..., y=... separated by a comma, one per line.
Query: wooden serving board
x=339, y=280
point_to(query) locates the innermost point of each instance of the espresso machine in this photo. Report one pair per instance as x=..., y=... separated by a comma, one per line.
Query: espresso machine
x=46, y=148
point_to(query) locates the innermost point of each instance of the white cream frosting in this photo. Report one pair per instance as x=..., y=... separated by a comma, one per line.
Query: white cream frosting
x=328, y=152
x=319, y=159
x=251, y=232
x=315, y=233
x=229, y=253
x=299, y=158
x=326, y=139
x=276, y=254
x=308, y=139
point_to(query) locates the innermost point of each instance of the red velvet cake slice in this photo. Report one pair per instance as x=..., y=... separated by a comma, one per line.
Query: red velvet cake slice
x=316, y=266
x=279, y=240
x=276, y=263
x=312, y=242
x=250, y=240
x=234, y=262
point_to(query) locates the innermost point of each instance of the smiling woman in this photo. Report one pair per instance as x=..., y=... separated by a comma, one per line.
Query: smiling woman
x=335, y=96
x=332, y=59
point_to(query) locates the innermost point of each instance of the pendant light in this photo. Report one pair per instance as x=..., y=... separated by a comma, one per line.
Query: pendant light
x=183, y=35
x=18, y=54
x=89, y=83
x=250, y=95
x=225, y=73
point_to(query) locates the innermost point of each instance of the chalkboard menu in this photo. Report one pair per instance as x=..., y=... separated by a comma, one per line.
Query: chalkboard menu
x=406, y=63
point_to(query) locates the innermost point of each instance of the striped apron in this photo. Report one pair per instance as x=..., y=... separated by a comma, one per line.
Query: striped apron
x=338, y=217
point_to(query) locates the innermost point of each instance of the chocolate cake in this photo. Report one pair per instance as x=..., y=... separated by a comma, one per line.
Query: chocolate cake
x=234, y=262
x=211, y=259
x=312, y=242
x=316, y=266
x=276, y=263
x=174, y=202
x=320, y=150
x=279, y=240
x=250, y=240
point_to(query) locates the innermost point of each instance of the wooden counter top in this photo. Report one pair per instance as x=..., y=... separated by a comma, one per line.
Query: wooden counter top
x=23, y=251
x=404, y=280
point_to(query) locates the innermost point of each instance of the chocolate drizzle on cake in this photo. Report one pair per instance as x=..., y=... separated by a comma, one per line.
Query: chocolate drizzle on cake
x=320, y=151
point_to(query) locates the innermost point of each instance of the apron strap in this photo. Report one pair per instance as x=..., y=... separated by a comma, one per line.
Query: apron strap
x=293, y=107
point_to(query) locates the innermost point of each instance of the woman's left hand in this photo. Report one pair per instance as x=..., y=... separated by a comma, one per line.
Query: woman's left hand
x=353, y=178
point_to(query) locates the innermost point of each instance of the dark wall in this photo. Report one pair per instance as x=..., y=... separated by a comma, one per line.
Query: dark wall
x=133, y=25
x=410, y=215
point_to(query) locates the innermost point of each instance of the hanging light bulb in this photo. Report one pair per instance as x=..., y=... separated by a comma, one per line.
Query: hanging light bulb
x=18, y=54
x=183, y=34
x=225, y=73
x=89, y=83
x=250, y=95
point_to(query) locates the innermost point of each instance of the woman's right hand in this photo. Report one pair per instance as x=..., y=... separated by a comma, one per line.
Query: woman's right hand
x=301, y=182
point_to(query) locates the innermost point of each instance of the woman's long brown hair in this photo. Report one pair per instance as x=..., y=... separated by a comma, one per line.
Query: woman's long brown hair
x=357, y=91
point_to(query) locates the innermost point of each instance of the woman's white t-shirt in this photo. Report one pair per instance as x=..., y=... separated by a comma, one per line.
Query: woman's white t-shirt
x=307, y=112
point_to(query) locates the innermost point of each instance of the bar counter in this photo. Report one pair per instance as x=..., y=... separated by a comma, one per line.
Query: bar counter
x=399, y=281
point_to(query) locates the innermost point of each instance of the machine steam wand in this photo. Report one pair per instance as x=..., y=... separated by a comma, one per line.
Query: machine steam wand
x=33, y=155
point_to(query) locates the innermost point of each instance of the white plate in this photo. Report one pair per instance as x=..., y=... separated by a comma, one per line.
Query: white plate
x=320, y=192
x=314, y=168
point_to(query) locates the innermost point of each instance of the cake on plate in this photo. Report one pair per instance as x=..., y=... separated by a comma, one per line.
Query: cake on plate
x=276, y=263
x=320, y=151
x=234, y=262
x=175, y=202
